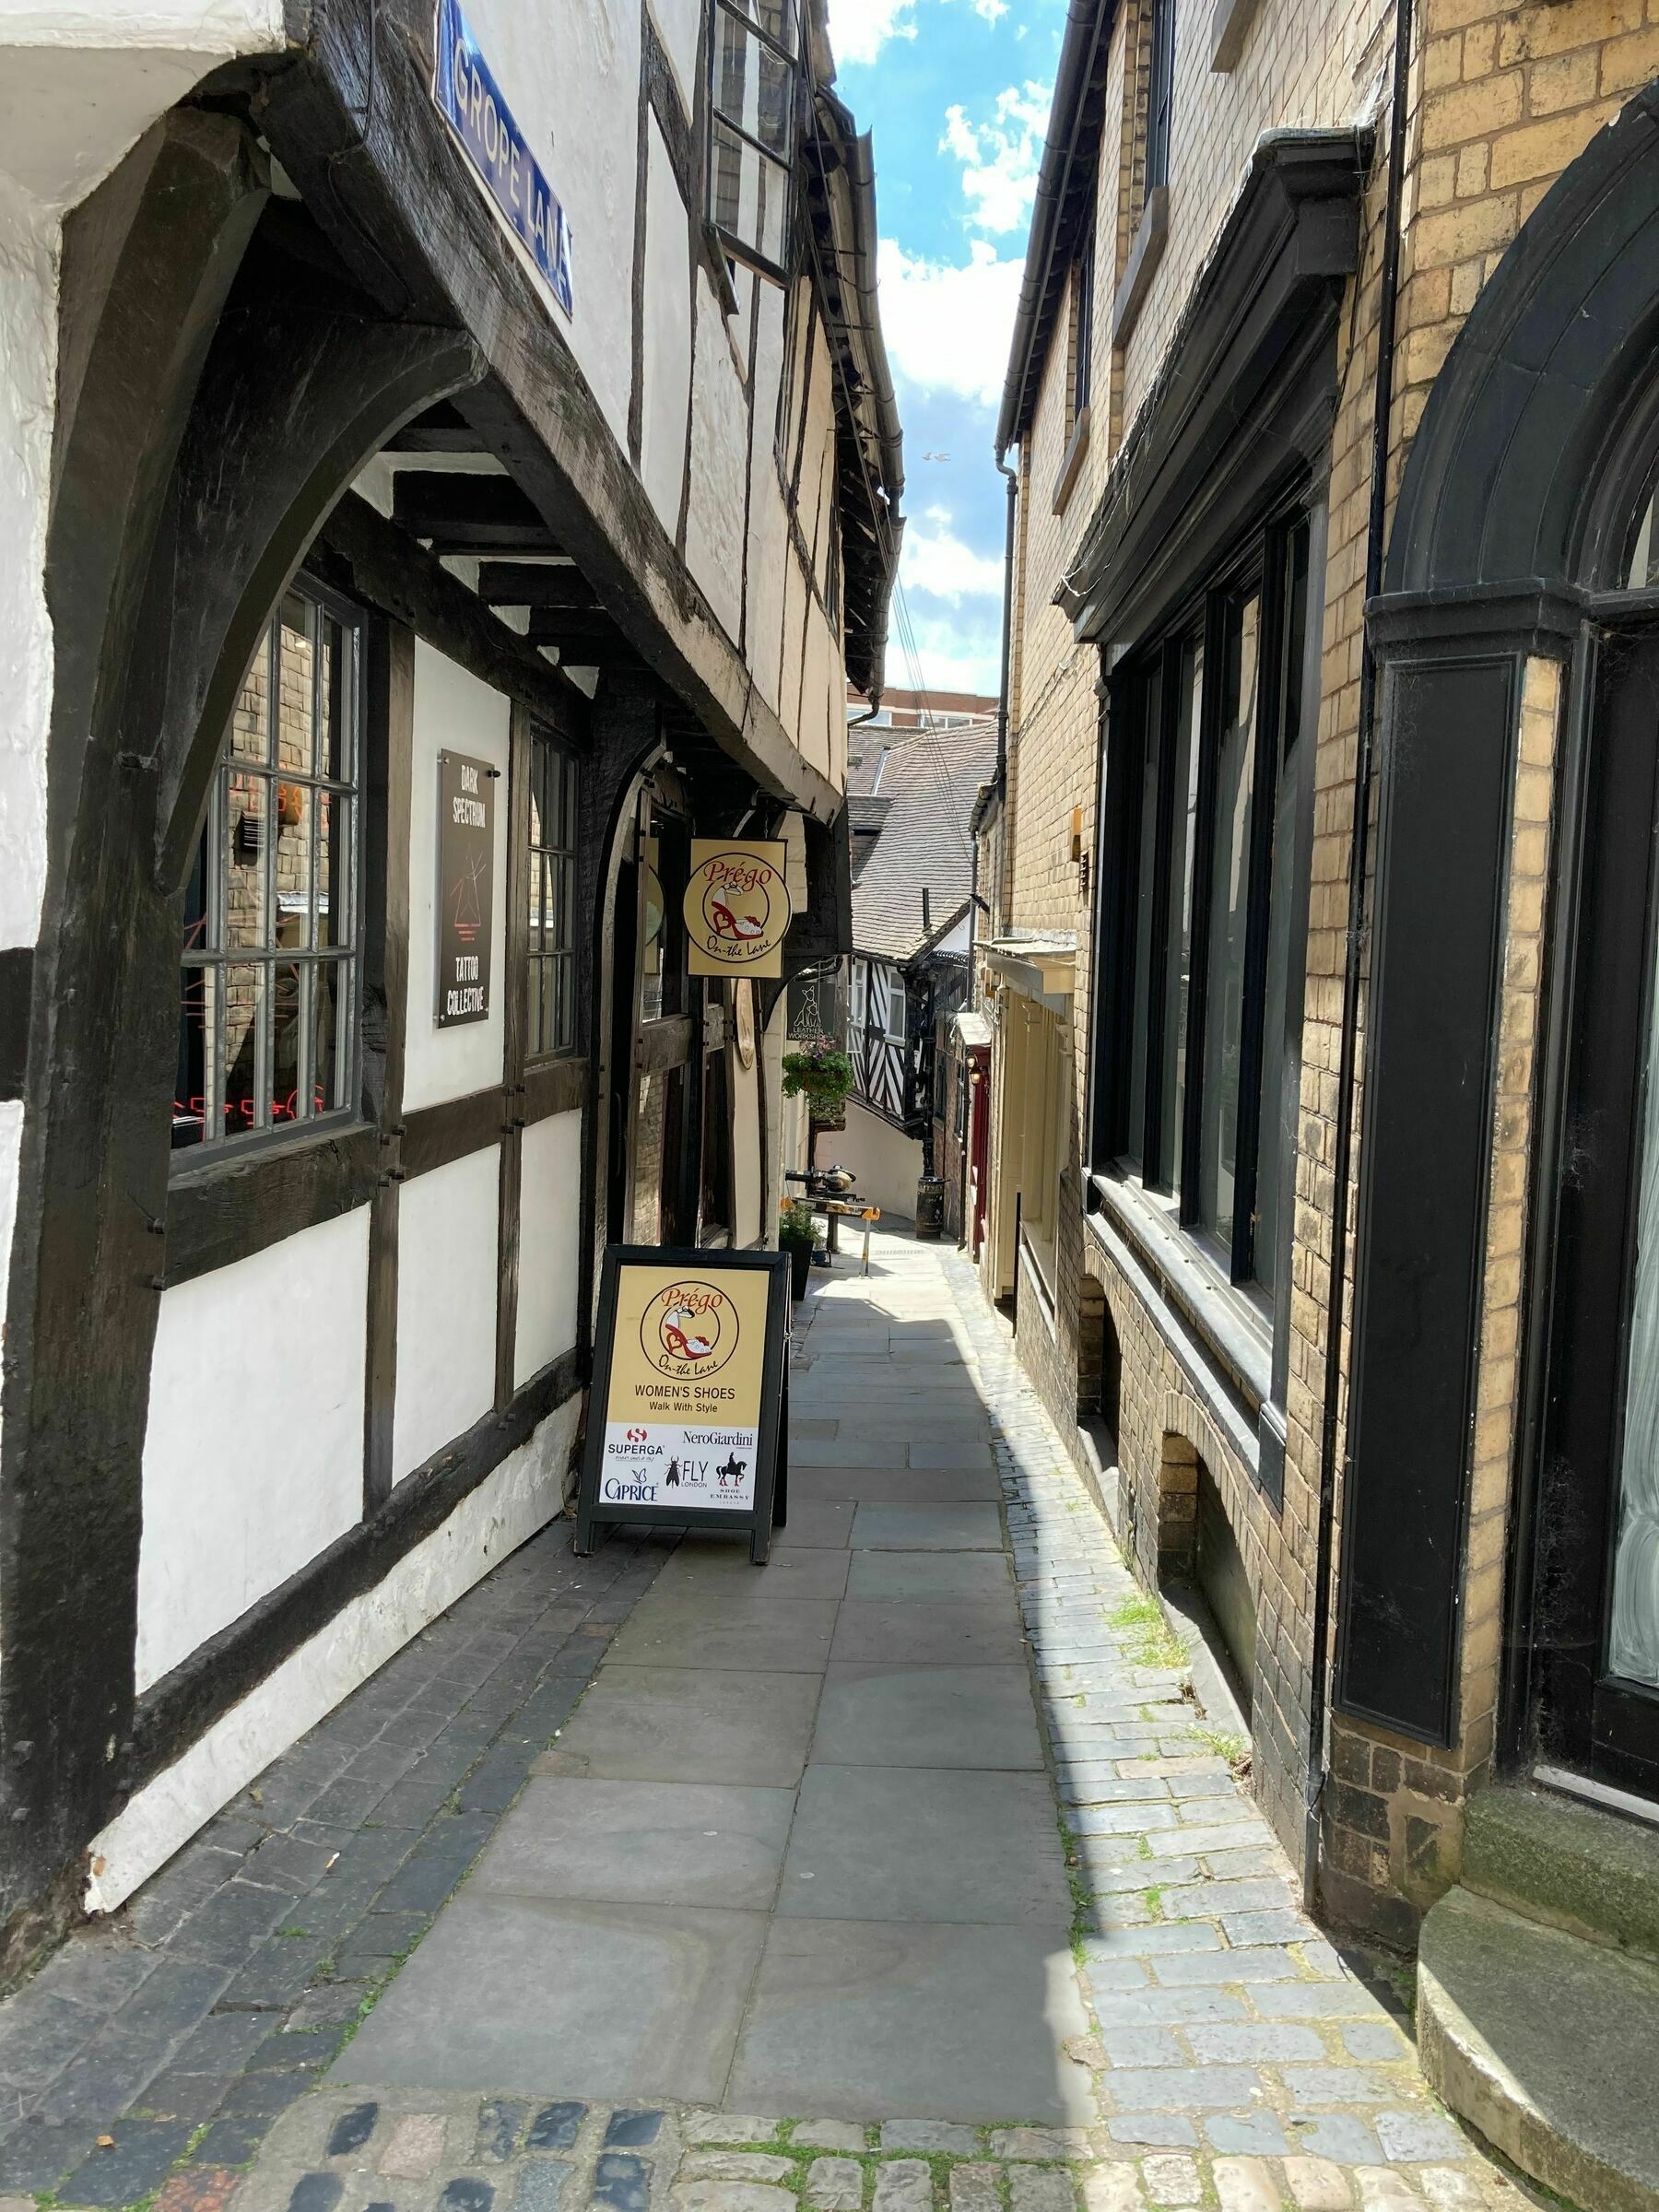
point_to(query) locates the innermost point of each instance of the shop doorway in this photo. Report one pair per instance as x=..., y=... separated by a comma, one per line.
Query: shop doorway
x=1594, y=1671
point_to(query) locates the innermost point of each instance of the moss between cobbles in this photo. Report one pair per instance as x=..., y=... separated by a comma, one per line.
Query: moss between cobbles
x=940, y=2163
x=1150, y=1639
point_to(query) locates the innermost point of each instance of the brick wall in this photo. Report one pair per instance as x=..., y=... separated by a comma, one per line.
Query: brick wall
x=1501, y=98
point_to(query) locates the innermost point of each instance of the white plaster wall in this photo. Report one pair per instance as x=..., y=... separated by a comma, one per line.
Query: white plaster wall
x=667, y=337
x=823, y=691
x=719, y=463
x=677, y=23
x=455, y=713
x=886, y=1163
x=448, y=1254
x=253, y=1451
x=768, y=525
x=572, y=81
x=550, y=1177
x=28, y=249
x=522, y=1494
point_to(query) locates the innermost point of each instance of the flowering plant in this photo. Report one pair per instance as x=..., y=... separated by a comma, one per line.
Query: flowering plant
x=820, y=1069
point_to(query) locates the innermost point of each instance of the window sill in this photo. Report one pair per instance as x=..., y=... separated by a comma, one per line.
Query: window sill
x=1076, y=453
x=1150, y=235
x=1236, y=1335
x=194, y=1165
x=1230, y=27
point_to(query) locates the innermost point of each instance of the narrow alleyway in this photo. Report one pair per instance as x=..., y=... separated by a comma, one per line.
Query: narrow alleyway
x=789, y=1906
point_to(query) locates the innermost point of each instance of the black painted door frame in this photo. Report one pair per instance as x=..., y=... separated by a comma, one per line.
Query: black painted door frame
x=1565, y=1708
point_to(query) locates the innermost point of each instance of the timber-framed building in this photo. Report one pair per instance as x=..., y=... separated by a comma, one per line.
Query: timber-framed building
x=452, y=406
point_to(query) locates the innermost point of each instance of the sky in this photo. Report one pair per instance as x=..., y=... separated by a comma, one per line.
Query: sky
x=956, y=95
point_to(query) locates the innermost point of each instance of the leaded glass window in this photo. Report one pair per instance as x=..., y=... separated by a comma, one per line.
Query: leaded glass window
x=268, y=1014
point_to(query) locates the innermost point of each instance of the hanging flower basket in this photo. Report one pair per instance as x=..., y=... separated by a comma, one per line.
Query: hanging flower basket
x=822, y=1072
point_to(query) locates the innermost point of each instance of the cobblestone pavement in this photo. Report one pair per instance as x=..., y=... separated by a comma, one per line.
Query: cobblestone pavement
x=1228, y=2055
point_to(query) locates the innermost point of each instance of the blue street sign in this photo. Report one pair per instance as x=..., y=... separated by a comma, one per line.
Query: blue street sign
x=470, y=102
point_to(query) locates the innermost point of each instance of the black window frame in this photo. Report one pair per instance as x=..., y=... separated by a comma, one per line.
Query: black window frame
x=1128, y=1144
x=776, y=166
x=555, y=864
x=204, y=895
x=1083, y=312
x=1161, y=94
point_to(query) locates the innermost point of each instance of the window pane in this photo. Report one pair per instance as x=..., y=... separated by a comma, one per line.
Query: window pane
x=751, y=84
x=333, y=811
x=328, y=1065
x=244, y=800
x=1642, y=574
x=1275, y=1136
x=1140, y=1012
x=749, y=194
x=296, y=674
x=292, y=811
x=1228, y=921
x=250, y=716
x=288, y=1019
x=1178, y=957
x=190, y=1101
x=776, y=17
x=244, y=992
x=334, y=690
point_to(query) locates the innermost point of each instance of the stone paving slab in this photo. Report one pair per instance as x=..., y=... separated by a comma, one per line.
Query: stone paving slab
x=895, y=1715
x=1131, y=2011
x=667, y=1723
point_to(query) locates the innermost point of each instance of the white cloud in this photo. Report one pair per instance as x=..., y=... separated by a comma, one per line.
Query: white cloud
x=860, y=29
x=1000, y=159
x=948, y=326
x=953, y=656
x=937, y=562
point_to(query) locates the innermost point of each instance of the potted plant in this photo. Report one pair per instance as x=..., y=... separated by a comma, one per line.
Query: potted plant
x=797, y=1235
x=821, y=1070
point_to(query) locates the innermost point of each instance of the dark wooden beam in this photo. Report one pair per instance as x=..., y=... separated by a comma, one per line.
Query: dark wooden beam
x=442, y=429
x=463, y=512
x=523, y=584
x=568, y=626
x=369, y=558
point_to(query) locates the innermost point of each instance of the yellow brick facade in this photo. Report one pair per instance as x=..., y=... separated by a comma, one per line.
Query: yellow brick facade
x=1501, y=99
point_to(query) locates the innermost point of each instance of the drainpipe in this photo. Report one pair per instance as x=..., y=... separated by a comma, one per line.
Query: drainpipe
x=1364, y=767
x=1007, y=622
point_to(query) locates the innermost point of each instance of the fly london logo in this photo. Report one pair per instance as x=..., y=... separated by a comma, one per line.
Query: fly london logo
x=689, y=1329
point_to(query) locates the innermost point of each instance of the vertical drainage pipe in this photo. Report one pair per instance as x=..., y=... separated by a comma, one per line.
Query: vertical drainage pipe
x=1359, y=850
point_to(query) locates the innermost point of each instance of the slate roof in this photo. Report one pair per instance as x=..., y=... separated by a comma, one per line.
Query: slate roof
x=919, y=837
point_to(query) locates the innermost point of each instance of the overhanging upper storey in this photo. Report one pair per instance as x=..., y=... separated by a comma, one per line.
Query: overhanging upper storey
x=840, y=212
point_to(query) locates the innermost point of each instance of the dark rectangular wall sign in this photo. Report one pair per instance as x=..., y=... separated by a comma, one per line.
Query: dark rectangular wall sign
x=1424, y=1169
x=465, y=888
x=688, y=1416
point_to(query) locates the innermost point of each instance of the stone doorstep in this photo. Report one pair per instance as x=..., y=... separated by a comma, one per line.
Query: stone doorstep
x=1554, y=1859
x=1544, y=2043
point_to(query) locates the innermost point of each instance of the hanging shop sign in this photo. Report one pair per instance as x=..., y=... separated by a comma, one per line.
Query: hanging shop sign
x=690, y=1408
x=465, y=888
x=738, y=906
x=469, y=99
